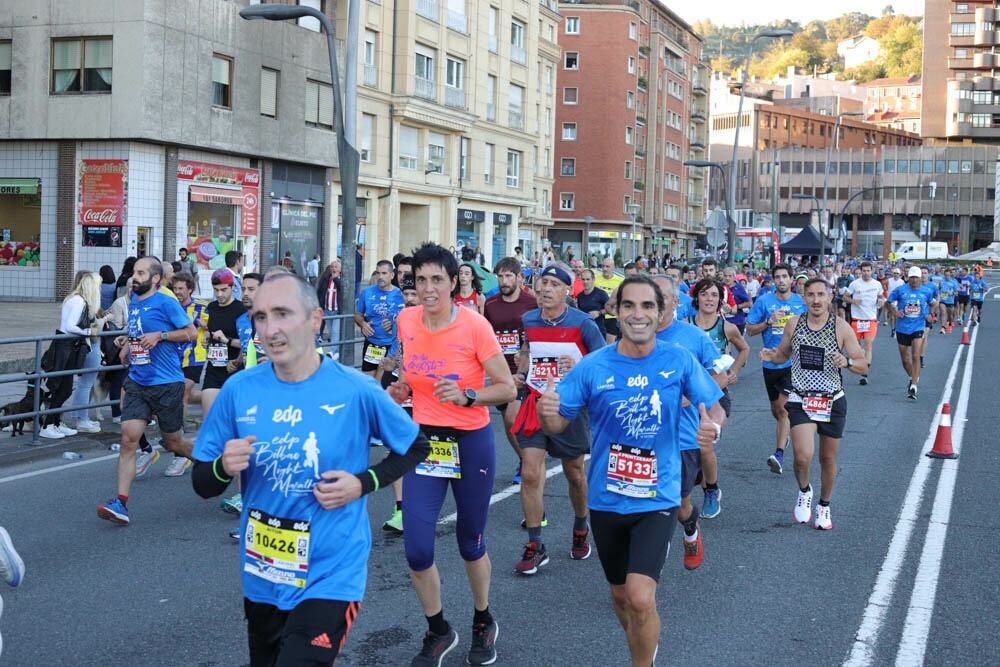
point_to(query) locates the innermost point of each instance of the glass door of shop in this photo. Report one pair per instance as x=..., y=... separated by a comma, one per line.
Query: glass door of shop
x=143, y=237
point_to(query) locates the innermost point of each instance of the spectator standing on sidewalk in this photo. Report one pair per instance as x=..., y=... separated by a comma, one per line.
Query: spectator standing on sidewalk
x=108, y=287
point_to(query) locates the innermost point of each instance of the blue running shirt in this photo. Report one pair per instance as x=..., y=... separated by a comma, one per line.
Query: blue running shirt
x=948, y=291
x=761, y=312
x=291, y=548
x=695, y=340
x=914, y=304
x=162, y=364
x=376, y=305
x=635, y=417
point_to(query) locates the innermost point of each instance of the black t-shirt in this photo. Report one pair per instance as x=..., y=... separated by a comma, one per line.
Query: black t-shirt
x=224, y=319
x=593, y=301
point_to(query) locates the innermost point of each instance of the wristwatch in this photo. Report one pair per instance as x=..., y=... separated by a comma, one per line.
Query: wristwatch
x=718, y=432
x=164, y=335
x=470, y=397
x=850, y=362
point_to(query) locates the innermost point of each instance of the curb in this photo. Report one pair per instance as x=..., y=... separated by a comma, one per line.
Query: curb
x=25, y=452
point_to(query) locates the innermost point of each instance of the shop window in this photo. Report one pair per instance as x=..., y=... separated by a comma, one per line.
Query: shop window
x=21, y=221
x=5, y=67
x=81, y=65
x=319, y=104
x=222, y=79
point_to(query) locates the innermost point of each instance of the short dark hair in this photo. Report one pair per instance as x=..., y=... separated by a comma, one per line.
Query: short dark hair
x=639, y=279
x=183, y=277
x=385, y=262
x=701, y=286
x=432, y=253
x=709, y=261
x=176, y=266
x=397, y=258
x=182, y=250
x=782, y=266
x=583, y=274
x=813, y=281
x=405, y=259
x=253, y=276
x=232, y=257
x=866, y=263
x=630, y=265
x=107, y=275
x=507, y=264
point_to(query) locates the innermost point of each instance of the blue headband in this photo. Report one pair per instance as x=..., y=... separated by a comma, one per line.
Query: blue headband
x=558, y=273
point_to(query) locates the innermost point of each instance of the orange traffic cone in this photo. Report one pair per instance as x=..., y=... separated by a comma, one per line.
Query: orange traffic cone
x=942, y=443
x=965, y=333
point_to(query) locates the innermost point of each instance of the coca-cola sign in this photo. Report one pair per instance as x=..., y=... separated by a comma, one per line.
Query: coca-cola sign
x=102, y=198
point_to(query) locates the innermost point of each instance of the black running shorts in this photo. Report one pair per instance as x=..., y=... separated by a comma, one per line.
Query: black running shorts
x=831, y=429
x=777, y=381
x=193, y=373
x=690, y=470
x=310, y=634
x=906, y=339
x=632, y=543
x=166, y=401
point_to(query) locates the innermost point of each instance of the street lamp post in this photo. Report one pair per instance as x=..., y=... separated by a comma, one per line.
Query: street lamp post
x=826, y=179
x=730, y=223
x=954, y=214
x=731, y=237
x=634, y=210
x=930, y=221
x=589, y=219
x=347, y=154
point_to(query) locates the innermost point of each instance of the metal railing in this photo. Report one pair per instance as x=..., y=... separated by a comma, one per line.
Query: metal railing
x=339, y=323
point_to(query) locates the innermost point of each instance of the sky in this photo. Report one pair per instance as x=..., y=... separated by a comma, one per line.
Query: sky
x=735, y=12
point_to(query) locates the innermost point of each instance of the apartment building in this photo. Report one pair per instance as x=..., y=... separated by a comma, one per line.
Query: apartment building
x=632, y=106
x=894, y=102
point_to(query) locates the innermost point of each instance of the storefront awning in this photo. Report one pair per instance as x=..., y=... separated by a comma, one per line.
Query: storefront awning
x=216, y=195
x=18, y=186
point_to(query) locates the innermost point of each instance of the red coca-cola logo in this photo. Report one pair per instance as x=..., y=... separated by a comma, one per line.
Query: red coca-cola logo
x=108, y=216
x=185, y=170
x=252, y=178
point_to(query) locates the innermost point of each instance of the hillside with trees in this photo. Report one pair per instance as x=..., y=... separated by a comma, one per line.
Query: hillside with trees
x=813, y=47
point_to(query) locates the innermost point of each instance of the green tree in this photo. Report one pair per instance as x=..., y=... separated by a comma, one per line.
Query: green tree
x=793, y=57
x=867, y=72
x=901, y=50
x=846, y=25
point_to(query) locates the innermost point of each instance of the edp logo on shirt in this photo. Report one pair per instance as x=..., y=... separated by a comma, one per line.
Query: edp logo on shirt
x=290, y=415
x=640, y=381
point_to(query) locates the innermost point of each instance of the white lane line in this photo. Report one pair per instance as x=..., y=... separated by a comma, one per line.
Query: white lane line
x=67, y=466
x=862, y=653
x=916, y=629
x=510, y=490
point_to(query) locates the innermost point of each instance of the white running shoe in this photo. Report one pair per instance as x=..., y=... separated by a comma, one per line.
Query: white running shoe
x=144, y=460
x=65, y=430
x=823, y=521
x=803, y=506
x=51, y=432
x=87, y=426
x=179, y=466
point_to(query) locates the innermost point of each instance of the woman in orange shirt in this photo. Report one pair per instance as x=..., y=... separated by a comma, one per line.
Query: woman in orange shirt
x=447, y=350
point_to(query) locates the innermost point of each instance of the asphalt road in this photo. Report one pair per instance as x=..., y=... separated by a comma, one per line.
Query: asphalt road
x=907, y=576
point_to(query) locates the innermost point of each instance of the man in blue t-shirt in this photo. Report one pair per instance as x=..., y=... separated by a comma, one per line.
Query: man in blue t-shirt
x=375, y=312
x=296, y=430
x=768, y=317
x=911, y=304
x=964, y=280
x=633, y=392
x=949, y=290
x=977, y=293
x=155, y=384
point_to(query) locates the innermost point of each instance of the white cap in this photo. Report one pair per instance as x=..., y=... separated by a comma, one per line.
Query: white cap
x=914, y=272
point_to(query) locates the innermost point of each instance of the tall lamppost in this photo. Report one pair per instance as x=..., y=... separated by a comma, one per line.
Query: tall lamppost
x=954, y=212
x=347, y=154
x=930, y=221
x=589, y=219
x=634, y=209
x=826, y=179
x=733, y=169
x=730, y=224
x=799, y=195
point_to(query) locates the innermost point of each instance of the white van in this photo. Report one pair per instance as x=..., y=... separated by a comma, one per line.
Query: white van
x=918, y=251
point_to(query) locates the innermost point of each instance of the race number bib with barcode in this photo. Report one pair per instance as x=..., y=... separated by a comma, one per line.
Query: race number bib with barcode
x=217, y=354
x=277, y=549
x=632, y=471
x=443, y=460
x=137, y=354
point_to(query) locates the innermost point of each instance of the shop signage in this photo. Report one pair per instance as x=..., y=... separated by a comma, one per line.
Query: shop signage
x=102, y=236
x=102, y=198
x=502, y=218
x=469, y=215
x=207, y=175
x=18, y=186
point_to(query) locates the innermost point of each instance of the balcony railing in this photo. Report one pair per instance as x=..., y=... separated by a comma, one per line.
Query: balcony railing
x=491, y=111
x=458, y=22
x=515, y=119
x=517, y=54
x=454, y=97
x=424, y=88
x=371, y=76
x=428, y=9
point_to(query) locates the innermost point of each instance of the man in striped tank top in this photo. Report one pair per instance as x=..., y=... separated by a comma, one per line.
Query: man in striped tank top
x=819, y=345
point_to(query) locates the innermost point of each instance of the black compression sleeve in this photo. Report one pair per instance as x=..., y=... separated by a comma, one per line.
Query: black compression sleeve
x=207, y=478
x=394, y=466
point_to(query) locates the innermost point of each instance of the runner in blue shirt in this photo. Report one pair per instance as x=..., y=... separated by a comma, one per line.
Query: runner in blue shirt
x=296, y=430
x=977, y=294
x=911, y=304
x=964, y=280
x=633, y=391
x=768, y=317
x=375, y=312
x=949, y=289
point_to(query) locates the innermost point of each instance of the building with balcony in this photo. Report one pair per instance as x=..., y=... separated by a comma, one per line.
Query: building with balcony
x=632, y=105
x=894, y=102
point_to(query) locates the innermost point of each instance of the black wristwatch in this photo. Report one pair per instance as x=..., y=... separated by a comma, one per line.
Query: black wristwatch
x=164, y=335
x=470, y=397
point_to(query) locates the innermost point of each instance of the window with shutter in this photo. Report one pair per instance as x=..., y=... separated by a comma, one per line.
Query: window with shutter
x=268, y=92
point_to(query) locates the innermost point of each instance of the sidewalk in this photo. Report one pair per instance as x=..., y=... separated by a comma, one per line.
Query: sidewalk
x=25, y=319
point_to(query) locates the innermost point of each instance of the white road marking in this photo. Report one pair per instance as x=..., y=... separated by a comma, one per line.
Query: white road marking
x=916, y=630
x=67, y=466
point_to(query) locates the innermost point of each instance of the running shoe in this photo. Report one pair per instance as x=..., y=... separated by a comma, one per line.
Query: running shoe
x=544, y=524
x=532, y=559
x=87, y=426
x=483, y=651
x=234, y=534
x=11, y=565
x=775, y=461
x=65, y=430
x=516, y=479
x=144, y=460
x=863, y=380
x=692, y=551
x=113, y=510
x=911, y=393
x=581, y=547
x=942, y=330
x=710, y=508
x=950, y=327
x=232, y=504
x=959, y=321
x=823, y=518
x=436, y=647
x=395, y=523
x=51, y=432
x=178, y=466
x=921, y=362
x=892, y=333
x=803, y=506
